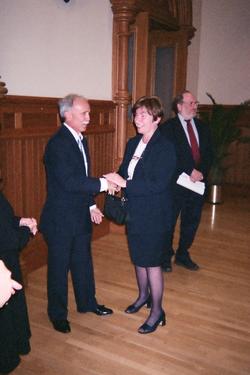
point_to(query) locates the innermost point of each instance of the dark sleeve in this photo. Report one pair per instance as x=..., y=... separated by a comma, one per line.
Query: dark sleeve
x=12, y=237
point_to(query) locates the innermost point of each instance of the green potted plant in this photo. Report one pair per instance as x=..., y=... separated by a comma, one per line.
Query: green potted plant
x=222, y=121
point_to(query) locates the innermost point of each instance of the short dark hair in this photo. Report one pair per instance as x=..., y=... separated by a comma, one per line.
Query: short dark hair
x=178, y=100
x=152, y=104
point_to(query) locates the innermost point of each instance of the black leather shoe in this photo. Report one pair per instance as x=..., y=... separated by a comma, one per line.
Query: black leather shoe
x=102, y=310
x=186, y=263
x=24, y=348
x=131, y=309
x=146, y=328
x=61, y=326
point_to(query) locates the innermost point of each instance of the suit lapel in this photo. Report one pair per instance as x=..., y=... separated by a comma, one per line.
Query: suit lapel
x=75, y=148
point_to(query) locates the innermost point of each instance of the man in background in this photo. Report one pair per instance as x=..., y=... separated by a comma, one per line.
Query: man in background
x=68, y=212
x=194, y=156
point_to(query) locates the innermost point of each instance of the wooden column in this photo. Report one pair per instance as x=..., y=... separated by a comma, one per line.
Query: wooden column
x=124, y=15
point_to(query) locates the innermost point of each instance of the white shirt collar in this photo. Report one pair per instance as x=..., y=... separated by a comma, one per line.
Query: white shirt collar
x=184, y=126
x=75, y=134
x=183, y=121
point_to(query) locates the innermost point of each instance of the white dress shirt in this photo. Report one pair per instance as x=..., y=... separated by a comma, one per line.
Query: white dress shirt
x=135, y=158
x=184, y=125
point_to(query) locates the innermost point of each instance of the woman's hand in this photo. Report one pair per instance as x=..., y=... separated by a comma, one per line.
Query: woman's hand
x=115, y=178
x=113, y=188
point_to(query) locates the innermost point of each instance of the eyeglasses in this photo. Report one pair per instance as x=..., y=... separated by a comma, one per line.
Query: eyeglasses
x=191, y=103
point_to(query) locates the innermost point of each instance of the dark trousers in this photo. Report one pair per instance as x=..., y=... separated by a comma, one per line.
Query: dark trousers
x=188, y=206
x=70, y=254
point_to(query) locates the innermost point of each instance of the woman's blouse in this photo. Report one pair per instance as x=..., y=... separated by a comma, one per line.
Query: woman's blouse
x=135, y=158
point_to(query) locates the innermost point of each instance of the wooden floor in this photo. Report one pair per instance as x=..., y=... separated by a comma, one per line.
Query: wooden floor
x=208, y=329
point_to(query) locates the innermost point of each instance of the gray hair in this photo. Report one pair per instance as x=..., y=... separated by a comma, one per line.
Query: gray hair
x=65, y=104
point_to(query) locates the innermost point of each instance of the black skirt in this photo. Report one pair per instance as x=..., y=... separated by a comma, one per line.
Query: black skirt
x=147, y=249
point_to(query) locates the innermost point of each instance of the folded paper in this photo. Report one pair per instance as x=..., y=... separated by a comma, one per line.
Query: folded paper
x=197, y=187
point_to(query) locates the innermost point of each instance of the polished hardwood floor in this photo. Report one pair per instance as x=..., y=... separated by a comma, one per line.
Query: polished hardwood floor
x=208, y=327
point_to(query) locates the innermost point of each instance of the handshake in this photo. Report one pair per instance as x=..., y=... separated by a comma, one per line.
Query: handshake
x=115, y=182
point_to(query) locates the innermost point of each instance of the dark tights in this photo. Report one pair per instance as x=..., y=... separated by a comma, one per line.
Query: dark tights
x=150, y=282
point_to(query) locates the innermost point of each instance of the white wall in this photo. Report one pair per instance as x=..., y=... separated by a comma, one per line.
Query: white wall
x=194, y=50
x=222, y=47
x=52, y=48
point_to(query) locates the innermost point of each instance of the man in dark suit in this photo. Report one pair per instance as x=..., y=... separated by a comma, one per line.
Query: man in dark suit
x=68, y=212
x=194, y=155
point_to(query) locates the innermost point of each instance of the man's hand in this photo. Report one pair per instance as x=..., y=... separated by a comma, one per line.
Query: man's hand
x=196, y=176
x=31, y=223
x=8, y=286
x=96, y=215
x=113, y=188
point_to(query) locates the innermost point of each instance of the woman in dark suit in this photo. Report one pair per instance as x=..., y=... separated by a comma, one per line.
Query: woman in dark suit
x=145, y=174
x=14, y=323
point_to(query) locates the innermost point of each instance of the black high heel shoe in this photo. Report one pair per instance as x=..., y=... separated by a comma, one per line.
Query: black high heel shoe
x=146, y=328
x=131, y=309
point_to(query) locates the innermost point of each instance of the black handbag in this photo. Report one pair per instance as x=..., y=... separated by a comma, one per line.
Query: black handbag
x=115, y=208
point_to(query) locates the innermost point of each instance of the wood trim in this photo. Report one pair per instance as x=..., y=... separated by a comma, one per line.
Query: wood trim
x=124, y=15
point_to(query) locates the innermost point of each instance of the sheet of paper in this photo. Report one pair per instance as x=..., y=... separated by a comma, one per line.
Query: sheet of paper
x=197, y=187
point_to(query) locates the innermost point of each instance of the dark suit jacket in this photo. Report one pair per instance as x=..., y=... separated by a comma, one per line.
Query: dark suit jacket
x=149, y=192
x=12, y=237
x=70, y=192
x=173, y=131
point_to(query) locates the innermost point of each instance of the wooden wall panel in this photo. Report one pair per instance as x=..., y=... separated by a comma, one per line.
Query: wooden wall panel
x=26, y=124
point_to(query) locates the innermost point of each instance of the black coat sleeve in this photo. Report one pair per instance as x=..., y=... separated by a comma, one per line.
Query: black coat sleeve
x=12, y=237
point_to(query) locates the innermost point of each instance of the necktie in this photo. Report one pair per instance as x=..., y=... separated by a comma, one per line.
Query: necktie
x=80, y=145
x=193, y=142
